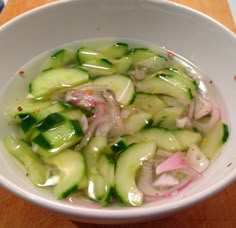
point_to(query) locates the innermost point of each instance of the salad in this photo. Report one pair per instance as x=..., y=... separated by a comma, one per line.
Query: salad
x=116, y=124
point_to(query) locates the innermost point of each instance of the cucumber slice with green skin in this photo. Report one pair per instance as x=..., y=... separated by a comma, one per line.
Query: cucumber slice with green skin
x=119, y=145
x=137, y=122
x=122, y=65
x=166, y=118
x=127, y=166
x=115, y=51
x=58, y=138
x=163, y=138
x=30, y=120
x=121, y=85
x=51, y=121
x=37, y=171
x=186, y=138
x=148, y=103
x=17, y=112
x=138, y=54
x=152, y=64
x=98, y=67
x=62, y=58
x=170, y=140
x=55, y=107
x=75, y=114
x=166, y=84
x=214, y=139
x=72, y=167
x=52, y=79
x=27, y=122
x=85, y=54
x=106, y=168
x=96, y=183
x=185, y=79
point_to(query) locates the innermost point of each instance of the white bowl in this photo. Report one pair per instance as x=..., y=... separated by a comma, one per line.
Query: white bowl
x=198, y=38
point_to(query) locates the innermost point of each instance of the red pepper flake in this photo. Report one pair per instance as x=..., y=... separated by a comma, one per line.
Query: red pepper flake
x=149, y=106
x=21, y=72
x=182, y=116
x=19, y=108
x=89, y=92
x=170, y=53
x=229, y=164
x=234, y=77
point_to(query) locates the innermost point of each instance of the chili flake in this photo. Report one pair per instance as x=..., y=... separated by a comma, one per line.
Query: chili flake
x=234, y=77
x=21, y=72
x=182, y=116
x=89, y=91
x=19, y=108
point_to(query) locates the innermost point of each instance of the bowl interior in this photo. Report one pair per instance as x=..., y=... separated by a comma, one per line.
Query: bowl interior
x=196, y=37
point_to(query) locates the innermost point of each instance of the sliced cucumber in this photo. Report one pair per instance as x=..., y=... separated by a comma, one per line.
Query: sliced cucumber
x=122, y=86
x=115, y=51
x=37, y=171
x=214, y=139
x=62, y=58
x=118, y=145
x=166, y=118
x=73, y=114
x=96, y=183
x=72, y=167
x=137, y=122
x=98, y=67
x=122, y=65
x=52, y=79
x=139, y=54
x=185, y=79
x=166, y=84
x=50, y=122
x=85, y=54
x=186, y=138
x=55, y=106
x=163, y=138
x=148, y=103
x=27, y=122
x=28, y=106
x=59, y=138
x=127, y=166
x=106, y=168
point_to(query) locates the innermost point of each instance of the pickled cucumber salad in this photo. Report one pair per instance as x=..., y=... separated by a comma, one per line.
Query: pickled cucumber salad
x=116, y=125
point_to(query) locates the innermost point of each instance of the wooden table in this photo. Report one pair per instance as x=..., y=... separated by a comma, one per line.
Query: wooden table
x=218, y=211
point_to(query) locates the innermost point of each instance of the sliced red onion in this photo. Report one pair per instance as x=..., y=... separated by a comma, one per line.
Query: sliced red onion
x=176, y=161
x=84, y=123
x=205, y=127
x=203, y=106
x=197, y=159
x=150, y=192
x=182, y=121
x=191, y=110
x=115, y=111
x=145, y=180
x=165, y=180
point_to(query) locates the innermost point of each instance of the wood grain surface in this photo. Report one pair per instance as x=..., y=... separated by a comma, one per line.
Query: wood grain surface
x=218, y=211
